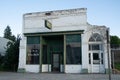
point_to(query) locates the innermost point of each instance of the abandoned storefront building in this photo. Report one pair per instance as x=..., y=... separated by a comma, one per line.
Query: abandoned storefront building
x=62, y=41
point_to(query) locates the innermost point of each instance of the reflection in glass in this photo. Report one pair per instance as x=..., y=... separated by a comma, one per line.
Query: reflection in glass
x=73, y=49
x=33, y=49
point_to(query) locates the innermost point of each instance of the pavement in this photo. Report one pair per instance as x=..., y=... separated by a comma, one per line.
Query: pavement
x=55, y=76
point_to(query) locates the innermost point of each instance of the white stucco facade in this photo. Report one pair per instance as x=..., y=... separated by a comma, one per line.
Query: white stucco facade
x=64, y=22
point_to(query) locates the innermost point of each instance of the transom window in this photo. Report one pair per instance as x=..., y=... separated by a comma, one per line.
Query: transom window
x=95, y=47
x=95, y=37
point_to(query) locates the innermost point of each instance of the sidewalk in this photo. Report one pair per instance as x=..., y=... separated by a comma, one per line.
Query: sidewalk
x=54, y=76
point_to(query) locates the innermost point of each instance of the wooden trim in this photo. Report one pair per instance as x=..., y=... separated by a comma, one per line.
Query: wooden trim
x=64, y=52
x=54, y=33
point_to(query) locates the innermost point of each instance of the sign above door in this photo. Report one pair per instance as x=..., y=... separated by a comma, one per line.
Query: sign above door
x=48, y=24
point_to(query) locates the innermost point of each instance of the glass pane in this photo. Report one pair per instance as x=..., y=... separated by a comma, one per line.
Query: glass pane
x=90, y=47
x=33, y=50
x=95, y=47
x=98, y=38
x=33, y=40
x=91, y=39
x=96, y=58
x=95, y=37
x=73, y=38
x=89, y=58
x=55, y=60
x=73, y=49
x=101, y=58
x=33, y=53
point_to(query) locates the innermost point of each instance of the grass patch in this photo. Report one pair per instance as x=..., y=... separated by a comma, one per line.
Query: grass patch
x=117, y=66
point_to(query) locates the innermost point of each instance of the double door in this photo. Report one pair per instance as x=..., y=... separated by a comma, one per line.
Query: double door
x=96, y=62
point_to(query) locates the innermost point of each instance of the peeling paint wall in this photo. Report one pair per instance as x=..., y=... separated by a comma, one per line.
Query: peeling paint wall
x=62, y=20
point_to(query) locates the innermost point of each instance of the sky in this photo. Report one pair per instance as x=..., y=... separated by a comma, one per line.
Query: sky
x=99, y=12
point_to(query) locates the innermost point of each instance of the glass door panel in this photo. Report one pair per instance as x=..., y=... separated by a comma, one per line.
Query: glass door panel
x=55, y=62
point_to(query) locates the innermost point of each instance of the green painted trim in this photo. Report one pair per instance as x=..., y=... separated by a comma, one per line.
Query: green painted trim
x=33, y=39
x=40, y=57
x=81, y=48
x=107, y=71
x=22, y=70
x=84, y=70
x=70, y=38
x=64, y=52
x=55, y=33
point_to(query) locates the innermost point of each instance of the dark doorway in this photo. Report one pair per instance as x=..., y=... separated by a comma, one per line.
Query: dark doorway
x=52, y=52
